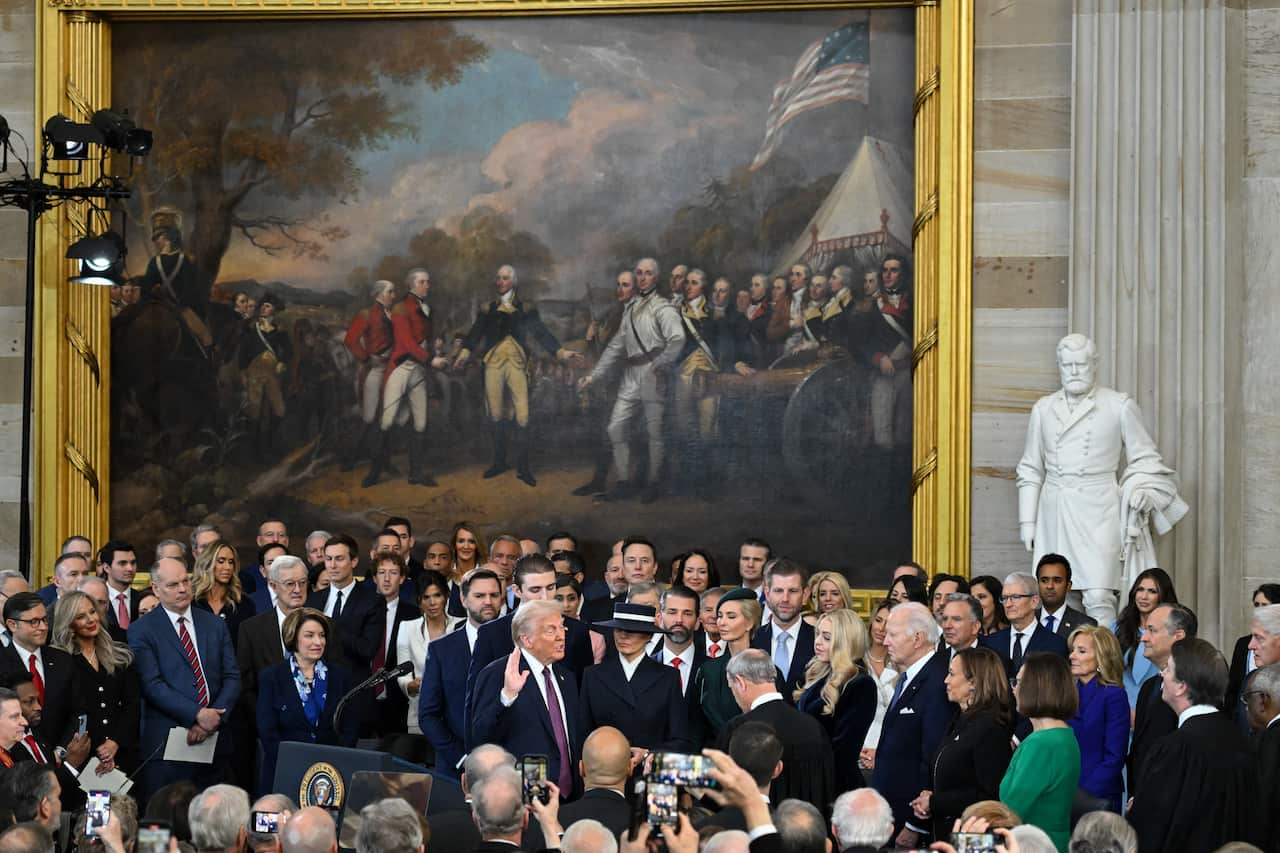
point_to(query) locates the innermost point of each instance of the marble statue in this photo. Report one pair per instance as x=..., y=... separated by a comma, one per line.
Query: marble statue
x=1069, y=500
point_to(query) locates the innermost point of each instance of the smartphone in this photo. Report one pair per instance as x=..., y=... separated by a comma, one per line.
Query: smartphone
x=973, y=842
x=82, y=726
x=153, y=837
x=533, y=777
x=689, y=771
x=662, y=802
x=98, y=809
x=265, y=823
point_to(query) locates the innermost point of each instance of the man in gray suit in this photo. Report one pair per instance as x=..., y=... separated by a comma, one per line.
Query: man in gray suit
x=1053, y=573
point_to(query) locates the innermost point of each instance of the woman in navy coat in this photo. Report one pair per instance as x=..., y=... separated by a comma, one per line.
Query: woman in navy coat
x=837, y=693
x=1102, y=723
x=297, y=698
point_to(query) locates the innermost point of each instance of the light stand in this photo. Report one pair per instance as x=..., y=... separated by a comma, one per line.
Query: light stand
x=37, y=196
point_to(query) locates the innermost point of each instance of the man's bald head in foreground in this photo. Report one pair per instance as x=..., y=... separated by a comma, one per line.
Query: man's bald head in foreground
x=606, y=758
x=310, y=830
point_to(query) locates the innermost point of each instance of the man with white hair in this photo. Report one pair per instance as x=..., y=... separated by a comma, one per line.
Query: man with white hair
x=499, y=811
x=1025, y=634
x=861, y=821
x=728, y=841
x=283, y=807
x=917, y=716
x=504, y=335
x=309, y=831
x=588, y=836
x=648, y=343
x=368, y=339
x=219, y=818
x=527, y=702
x=389, y=826
x=1068, y=499
x=1264, y=639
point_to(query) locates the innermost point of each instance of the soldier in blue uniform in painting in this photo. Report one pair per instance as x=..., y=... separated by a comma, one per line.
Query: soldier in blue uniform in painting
x=503, y=336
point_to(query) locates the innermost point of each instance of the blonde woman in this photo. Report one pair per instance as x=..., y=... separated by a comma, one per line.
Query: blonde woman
x=837, y=692
x=737, y=617
x=215, y=586
x=1102, y=723
x=828, y=591
x=105, y=687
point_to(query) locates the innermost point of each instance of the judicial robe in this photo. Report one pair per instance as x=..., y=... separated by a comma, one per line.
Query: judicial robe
x=808, y=761
x=1199, y=789
x=1266, y=745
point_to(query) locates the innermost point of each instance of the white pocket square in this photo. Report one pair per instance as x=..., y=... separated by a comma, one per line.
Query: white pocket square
x=906, y=711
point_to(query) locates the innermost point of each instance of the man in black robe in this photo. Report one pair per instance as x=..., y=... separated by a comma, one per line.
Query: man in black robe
x=1199, y=785
x=1260, y=697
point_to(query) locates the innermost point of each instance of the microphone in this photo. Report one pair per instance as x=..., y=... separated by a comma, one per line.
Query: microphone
x=384, y=675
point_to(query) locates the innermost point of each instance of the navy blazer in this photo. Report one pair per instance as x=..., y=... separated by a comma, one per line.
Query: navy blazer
x=493, y=642
x=847, y=725
x=1042, y=640
x=348, y=627
x=1102, y=730
x=800, y=656
x=525, y=727
x=48, y=594
x=281, y=718
x=913, y=728
x=168, y=685
x=442, y=705
x=649, y=709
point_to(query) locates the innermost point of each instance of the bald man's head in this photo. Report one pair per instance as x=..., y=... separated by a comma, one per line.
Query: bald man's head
x=606, y=758
x=310, y=830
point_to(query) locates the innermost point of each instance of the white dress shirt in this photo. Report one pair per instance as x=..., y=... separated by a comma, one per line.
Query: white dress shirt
x=1025, y=633
x=280, y=617
x=333, y=597
x=191, y=630
x=913, y=671
x=1057, y=618
x=629, y=667
x=25, y=656
x=1195, y=711
x=771, y=696
x=666, y=656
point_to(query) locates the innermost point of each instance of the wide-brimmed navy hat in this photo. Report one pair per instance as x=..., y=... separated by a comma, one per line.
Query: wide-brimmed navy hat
x=637, y=618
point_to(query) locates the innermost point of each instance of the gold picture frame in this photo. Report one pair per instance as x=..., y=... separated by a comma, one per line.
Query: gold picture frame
x=72, y=381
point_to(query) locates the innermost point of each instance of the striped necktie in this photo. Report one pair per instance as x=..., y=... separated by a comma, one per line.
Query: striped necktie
x=202, y=689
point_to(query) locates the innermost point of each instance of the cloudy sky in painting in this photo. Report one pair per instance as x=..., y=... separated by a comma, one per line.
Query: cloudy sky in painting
x=584, y=129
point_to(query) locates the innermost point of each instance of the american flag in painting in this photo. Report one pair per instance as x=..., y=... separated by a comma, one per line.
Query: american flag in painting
x=835, y=68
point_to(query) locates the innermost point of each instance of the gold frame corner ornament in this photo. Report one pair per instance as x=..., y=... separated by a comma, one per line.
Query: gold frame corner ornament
x=72, y=386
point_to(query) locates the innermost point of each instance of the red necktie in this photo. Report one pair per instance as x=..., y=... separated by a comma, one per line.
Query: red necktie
x=675, y=662
x=36, y=679
x=122, y=612
x=35, y=749
x=713, y=651
x=202, y=689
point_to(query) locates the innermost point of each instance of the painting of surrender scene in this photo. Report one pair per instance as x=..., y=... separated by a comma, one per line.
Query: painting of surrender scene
x=611, y=274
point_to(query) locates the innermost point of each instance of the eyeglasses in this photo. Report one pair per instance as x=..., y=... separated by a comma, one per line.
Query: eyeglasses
x=36, y=622
x=1007, y=597
x=1244, y=697
x=292, y=584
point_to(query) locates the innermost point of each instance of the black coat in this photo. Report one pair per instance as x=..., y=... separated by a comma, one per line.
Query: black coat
x=524, y=325
x=452, y=831
x=110, y=700
x=1236, y=676
x=693, y=709
x=603, y=804
x=967, y=768
x=348, y=628
x=1071, y=620
x=1198, y=789
x=257, y=647
x=649, y=709
x=133, y=596
x=1153, y=719
x=390, y=714
x=1266, y=745
x=847, y=726
x=808, y=764
x=1041, y=640
x=800, y=656
x=59, y=721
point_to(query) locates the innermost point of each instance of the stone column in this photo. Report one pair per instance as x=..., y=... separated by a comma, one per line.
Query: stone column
x=1156, y=257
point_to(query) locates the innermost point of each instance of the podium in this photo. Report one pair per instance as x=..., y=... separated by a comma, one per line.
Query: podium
x=318, y=775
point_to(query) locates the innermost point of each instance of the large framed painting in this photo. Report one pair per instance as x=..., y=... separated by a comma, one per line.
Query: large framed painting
x=697, y=271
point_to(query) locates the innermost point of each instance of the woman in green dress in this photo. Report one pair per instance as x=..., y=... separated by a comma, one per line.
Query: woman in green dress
x=737, y=616
x=1040, y=784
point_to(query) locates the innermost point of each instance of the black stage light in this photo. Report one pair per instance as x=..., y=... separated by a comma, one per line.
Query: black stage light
x=69, y=140
x=119, y=133
x=101, y=259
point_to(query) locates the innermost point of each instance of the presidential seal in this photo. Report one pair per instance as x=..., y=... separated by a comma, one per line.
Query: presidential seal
x=321, y=786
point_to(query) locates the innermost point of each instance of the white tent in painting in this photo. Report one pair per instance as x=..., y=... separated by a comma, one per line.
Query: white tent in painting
x=867, y=215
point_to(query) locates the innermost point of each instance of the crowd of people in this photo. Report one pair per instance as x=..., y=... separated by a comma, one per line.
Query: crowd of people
x=977, y=704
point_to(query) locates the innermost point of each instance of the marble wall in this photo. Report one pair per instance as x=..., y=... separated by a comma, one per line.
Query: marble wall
x=17, y=98
x=1022, y=158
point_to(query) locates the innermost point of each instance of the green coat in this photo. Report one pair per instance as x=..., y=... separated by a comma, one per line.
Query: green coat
x=1040, y=784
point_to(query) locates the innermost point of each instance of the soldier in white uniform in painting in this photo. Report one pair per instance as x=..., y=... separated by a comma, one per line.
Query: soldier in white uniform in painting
x=649, y=340
x=1069, y=501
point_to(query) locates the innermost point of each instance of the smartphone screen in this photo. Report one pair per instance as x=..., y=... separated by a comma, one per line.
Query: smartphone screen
x=973, y=842
x=98, y=808
x=689, y=771
x=662, y=802
x=82, y=726
x=266, y=823
x=153, y=837
x=533, y=777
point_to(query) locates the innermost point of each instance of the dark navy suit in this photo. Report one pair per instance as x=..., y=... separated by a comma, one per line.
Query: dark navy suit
x=525, y=727
x=348, y=627
x=801, y=654
x=281, y=718
x=1041, y=640
x=913, y=728
x=48, y=594
x=649, y=709
x=1102, y=730
x=168, y=685
x=442, y=702
x=493, y=642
